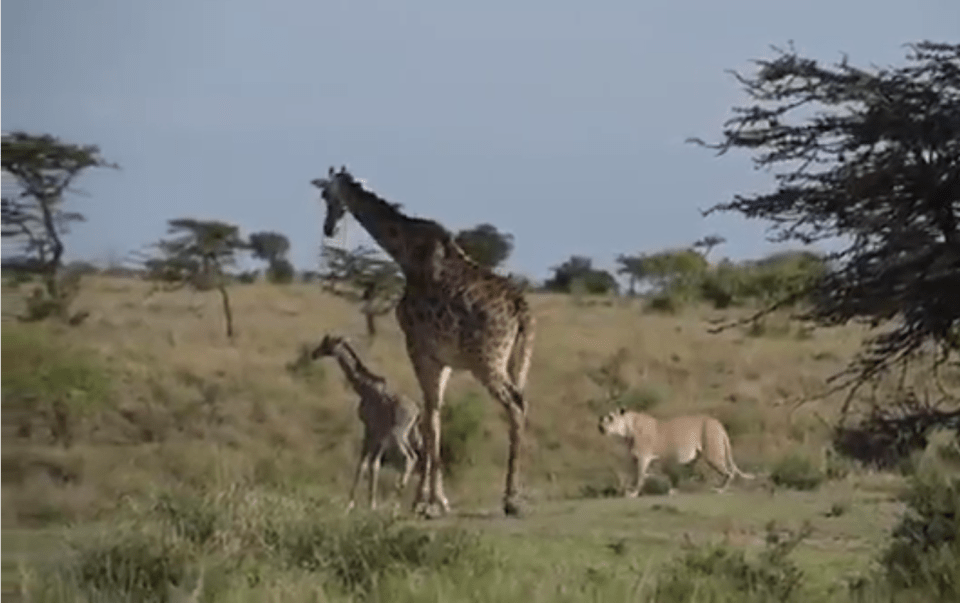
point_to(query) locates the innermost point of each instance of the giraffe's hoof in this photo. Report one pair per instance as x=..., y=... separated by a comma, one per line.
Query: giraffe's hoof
x=512, y=508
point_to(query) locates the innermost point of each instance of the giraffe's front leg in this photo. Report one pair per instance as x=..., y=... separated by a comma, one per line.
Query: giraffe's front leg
x=433, y=382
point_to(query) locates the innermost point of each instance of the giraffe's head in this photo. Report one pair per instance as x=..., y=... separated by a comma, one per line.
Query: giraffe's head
x=331, y=191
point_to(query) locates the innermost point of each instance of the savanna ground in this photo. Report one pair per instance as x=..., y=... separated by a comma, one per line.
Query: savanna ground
x=159, y=459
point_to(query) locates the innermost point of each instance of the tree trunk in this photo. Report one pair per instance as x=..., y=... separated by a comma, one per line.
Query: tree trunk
x=227, y=313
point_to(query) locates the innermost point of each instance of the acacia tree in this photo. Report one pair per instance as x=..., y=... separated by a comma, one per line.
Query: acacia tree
x=33, y=214
x=196, y=255
x=363, y=276
x=272, y=248
x=663, y=270
x=870, y=158
x=486, y=245
x=708, y=242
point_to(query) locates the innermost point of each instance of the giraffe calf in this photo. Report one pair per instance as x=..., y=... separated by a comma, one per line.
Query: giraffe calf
x=388, y=418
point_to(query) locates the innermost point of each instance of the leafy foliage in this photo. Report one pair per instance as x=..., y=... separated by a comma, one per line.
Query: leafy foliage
x=33, y=213
x=363, y=276
x=578, y=274
x=197, y=254
x=673, y=269
x=272, y=247
x=709, y=572
x=871, y=158
x=486, y=245
x=924, y=550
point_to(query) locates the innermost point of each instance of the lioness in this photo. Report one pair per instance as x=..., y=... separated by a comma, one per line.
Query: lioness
x=681, y=438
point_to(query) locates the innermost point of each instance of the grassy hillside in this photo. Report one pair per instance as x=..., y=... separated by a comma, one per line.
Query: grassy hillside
x=154, y=401
x=186, y=405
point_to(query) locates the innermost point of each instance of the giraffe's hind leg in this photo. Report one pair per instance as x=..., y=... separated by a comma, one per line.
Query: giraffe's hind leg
x=409, y=461
x=362, y=462
x=503, y=390
x=377, y=456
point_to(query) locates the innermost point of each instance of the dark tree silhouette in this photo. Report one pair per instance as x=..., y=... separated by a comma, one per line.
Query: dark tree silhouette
x=578, y=271
x=197, y=254
x=870, y=158
x=33, y=213
x=272, y=248
x=365, y=277
x=708, y=242
x=486, y=245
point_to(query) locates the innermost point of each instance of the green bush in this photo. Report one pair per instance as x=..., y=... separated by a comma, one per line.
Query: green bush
x=47, y=385
x=281, y=272
x=797, y=472
x=666, y=303
x=717, y=572
x=656, y=485
x=924, y=551
x=643, y=398
x=461, y=431
x=357, y=553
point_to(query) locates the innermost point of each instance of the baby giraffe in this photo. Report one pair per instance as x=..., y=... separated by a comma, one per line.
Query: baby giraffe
x=388, y=417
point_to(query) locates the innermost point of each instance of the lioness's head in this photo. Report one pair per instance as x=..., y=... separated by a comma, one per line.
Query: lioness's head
x=614, y=423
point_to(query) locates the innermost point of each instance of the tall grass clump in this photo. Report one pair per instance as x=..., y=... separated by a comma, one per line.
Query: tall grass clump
x=180, y=545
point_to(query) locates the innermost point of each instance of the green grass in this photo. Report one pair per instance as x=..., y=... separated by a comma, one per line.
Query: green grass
x=601, y=549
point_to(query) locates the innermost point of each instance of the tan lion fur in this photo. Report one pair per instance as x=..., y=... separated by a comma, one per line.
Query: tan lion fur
x=682, y=439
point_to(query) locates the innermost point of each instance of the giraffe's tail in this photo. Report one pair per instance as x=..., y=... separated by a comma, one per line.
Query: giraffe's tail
x=521, y=354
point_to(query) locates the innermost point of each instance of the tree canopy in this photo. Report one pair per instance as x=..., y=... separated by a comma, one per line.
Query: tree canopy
x=196, y=254
x=870, y=158
x=486, y=245
x=272, y=248
x=578, y=273
x=33, y=214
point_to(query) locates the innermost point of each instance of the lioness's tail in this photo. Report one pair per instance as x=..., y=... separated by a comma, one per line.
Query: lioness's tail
x=730, y=461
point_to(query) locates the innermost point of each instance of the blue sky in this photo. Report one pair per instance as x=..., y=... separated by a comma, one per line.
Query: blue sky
x=561, y=122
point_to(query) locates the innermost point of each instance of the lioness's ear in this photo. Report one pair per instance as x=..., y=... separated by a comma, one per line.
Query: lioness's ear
x=622, y=410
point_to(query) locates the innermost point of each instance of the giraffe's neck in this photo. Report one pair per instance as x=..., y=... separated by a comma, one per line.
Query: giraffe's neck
x=396, y=233
x=359, y=376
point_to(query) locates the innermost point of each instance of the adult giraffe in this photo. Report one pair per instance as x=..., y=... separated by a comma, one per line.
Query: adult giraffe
x=454, y=313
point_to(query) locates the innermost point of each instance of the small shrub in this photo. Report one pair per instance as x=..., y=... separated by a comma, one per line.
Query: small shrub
x=717, y=572
x=656, y=485
x=357, y=553
x=797, y=472
x=281, y=272
x=666, y=303
x=677, y=473
x=600, y=489
x=643, y=398
x=49, y=386
x=462, y=428
x=837, y=509
x=924, y=551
